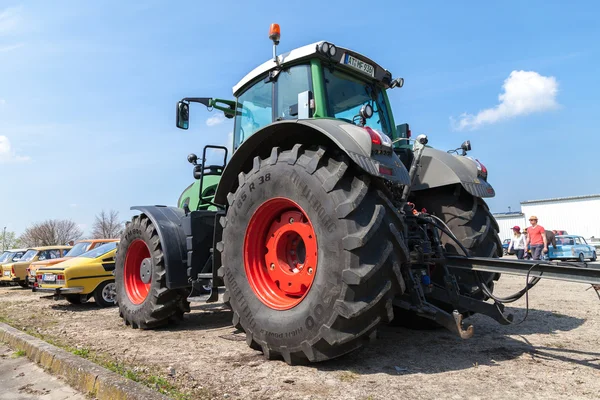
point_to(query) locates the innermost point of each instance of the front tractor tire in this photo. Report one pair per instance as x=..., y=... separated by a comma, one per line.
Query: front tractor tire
x=144, y=300
x=311, y=255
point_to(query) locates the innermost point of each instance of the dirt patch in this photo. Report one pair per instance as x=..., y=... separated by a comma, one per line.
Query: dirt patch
x=554, y=354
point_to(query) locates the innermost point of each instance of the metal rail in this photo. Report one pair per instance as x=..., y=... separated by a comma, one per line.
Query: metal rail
x=544, y=269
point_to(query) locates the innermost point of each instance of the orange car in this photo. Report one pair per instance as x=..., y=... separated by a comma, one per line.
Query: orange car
x=80, y=247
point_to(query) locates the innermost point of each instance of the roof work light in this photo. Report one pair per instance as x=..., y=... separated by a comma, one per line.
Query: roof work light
x=274, y=35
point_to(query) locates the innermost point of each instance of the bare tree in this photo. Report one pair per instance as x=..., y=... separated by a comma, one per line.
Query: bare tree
x=107, y=225
x=51, y=232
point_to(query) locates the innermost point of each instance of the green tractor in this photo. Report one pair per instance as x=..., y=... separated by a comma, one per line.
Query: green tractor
x=325, y=223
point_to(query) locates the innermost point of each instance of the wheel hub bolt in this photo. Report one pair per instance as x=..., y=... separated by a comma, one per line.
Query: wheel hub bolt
x=291, y=220
x=310, y=271
x=272, y=266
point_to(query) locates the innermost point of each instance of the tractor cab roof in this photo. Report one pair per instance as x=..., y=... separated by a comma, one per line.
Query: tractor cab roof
x=313, y=50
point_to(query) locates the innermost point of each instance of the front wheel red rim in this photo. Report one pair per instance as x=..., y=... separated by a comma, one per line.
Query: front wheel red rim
x=280, y=253
x=137, y=273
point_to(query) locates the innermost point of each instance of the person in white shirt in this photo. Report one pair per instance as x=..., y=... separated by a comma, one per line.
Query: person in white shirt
x=517, y=243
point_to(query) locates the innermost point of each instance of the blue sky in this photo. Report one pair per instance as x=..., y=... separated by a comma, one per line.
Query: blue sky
x=88, y=91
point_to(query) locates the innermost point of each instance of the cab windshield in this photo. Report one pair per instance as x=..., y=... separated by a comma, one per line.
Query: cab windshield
x=100, y=250
x=4, y=256
x=29, y=255
x=346, y=95
x=78, y=249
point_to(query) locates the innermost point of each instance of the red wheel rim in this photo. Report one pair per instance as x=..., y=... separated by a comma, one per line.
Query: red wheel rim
x=280, y=253
x=137, y=290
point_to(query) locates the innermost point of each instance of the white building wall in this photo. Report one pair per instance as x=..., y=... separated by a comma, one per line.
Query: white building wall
x=577, y=215
x=507, y=221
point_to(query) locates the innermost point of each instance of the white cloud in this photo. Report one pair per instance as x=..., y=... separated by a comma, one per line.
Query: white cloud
x=2, y=102
x=9, y=19
x=524, y=92
x=73, y=205
x=7, y=154
x=216, y=119
x=10, y=47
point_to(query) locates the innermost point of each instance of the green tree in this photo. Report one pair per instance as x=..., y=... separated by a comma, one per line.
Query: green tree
x=9, y=240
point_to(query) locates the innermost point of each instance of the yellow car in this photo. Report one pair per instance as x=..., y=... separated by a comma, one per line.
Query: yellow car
x=80, y=278
x=78, y=249
x=16, y=271
x=11, y=255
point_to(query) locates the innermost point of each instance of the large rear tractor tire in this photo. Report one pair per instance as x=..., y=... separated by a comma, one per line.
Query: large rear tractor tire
x=144, y=300
x=311, y=255
x=469, y=218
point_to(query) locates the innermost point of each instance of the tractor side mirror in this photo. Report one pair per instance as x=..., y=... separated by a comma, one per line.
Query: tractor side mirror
x=183, y=115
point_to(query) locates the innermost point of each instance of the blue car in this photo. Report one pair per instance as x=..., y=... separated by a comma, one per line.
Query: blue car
x=571, y=247
x=505, y=244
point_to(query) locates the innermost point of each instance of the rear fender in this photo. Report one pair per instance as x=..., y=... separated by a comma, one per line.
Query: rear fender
x=349, y=138
x=168, y=224
x=439, y=168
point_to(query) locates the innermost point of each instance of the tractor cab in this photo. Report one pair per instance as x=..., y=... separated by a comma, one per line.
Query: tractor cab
x=316, y=81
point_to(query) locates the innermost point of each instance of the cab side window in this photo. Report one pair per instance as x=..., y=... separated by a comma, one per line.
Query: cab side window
x=254, y=110
x=290, y=82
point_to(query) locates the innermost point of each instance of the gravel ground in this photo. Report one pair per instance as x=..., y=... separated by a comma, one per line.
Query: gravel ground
x=554, y=354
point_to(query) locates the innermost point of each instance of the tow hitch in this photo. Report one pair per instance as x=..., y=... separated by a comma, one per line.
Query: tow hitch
x=450, y=294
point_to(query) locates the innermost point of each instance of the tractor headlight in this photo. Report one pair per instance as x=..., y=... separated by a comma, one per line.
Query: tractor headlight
x=327, y=49
x=332, y=50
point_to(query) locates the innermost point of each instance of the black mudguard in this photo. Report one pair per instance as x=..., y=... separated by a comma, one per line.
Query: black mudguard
x=168, y=224
x=349, y=138
x=439, y=168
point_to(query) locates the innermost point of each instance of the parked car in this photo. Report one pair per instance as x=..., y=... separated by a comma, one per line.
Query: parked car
x=9, y=256
x=80, y=278
x=505, y=244
x=594, y=241
x=78, y=249
x=16, y=271
x=572, y=247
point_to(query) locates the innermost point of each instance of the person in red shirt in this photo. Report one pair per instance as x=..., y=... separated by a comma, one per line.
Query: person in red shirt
x=536, y=237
